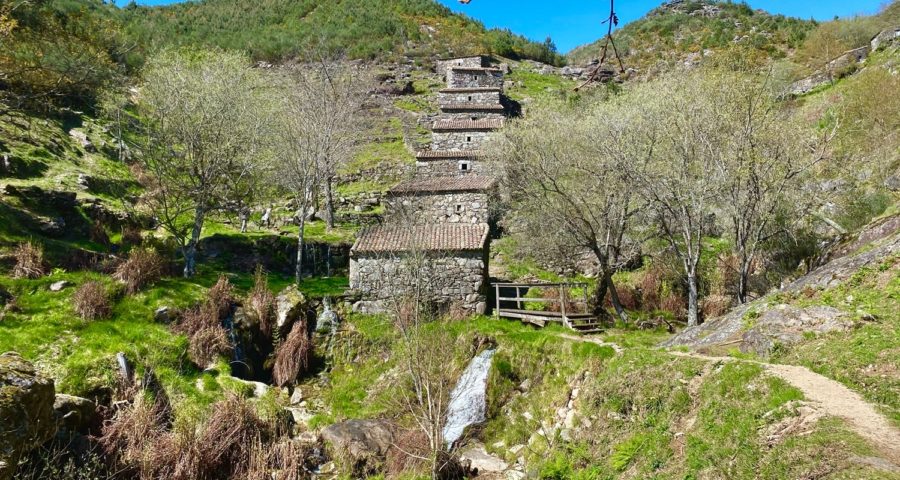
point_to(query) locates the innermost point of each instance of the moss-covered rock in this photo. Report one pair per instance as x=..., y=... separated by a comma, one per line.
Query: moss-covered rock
x=26, y=411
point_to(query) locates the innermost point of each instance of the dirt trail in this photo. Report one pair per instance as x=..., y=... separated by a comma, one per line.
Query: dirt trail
x=835, y=399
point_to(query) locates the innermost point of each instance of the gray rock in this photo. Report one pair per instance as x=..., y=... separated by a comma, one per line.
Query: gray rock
x=26, y=411
x=58, y=286
x=485, y=462
x=885, y=38
x=289, y=306
x=364, y=443
x=161, y=315
x=786, y=325
x=74, y=414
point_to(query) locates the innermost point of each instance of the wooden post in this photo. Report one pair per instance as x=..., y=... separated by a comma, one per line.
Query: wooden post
x=562, y=304
x=518, y=297
x=497, y=299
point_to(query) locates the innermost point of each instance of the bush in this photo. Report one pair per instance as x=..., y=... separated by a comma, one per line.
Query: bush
x=208, y=344
x=91, y=301
x=142, y=268
x=261, y=302
x=220, y=297
x=29, y=261
x=293, y=355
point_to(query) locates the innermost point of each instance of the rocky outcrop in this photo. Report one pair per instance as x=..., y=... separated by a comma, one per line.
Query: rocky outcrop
x=26, y=411
x=885, y=38
x=760, y=325
x=361, y=444
x=290, y=305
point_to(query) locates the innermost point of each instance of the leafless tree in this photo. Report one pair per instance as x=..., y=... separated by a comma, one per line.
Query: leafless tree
x=337, y=90
x=764, y=166
x=567, y=193
x=677, y=135
x=206, y=120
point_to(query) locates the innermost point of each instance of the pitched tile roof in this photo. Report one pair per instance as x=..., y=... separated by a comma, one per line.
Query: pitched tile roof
x=483, y=124
x=473, y=69
x=472, y=106
x=446, y=154
x=435, y=237
x=469, y=89
x=462, y=183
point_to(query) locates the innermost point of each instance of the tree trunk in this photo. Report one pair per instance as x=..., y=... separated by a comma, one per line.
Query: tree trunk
x=600, y=297
x=329, y=204
x=190, y=250
x=298, y=269
x=743, y=280
x=614, y=296
x=693, y=300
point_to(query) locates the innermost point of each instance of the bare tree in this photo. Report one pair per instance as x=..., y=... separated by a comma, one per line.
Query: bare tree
x=568, y=194
x=764, y=167
x=337, y=89
x=320, y=126
x=677, y=136
x=206, y=119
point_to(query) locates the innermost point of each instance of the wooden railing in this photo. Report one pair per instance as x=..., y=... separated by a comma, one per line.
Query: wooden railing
x=566, y=303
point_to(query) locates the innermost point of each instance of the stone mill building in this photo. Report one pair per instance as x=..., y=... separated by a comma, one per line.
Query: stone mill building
x=436, y=233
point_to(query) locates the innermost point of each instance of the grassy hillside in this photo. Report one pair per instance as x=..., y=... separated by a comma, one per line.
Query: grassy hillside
x=275, y=29
x=672, y=34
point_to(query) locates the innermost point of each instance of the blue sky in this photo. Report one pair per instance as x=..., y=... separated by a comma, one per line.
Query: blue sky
x=573, y=22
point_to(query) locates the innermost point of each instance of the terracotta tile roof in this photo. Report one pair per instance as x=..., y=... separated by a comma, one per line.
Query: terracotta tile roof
x=446, y=154
x=436, y=237
x=483, y=124
x=473, y=69
x=461, y=183
x=472, y=106
x=469, y=89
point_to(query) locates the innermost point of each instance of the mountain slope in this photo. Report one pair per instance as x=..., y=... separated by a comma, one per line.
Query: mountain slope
x=684, y=30
x=275, y=29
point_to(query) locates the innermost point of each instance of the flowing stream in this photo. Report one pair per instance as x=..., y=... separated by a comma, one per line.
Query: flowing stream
x=468, y=401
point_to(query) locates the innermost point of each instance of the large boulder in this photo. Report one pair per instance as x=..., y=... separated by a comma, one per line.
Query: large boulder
x=290, y=305
x=785, y=324
x=362, y=444
x=75, y=414
x=26, y=411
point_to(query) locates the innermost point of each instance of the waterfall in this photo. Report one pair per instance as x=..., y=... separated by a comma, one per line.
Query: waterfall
x=468, y=401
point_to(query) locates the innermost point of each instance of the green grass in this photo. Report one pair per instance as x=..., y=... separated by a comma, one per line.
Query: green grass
x=533, y=85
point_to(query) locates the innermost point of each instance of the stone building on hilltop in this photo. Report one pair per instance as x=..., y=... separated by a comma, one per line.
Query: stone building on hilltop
x=438, y=223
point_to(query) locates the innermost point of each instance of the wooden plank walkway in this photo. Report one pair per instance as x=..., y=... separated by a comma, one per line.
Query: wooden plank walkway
x=572, y=312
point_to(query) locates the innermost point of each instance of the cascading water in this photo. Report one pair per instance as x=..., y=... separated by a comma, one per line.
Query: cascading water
x=468, y=401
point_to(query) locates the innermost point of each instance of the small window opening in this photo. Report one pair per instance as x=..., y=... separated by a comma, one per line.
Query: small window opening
x=468, y=139
x=464, y=166
x=474, y=118
x=459, y=208
x=470, y=98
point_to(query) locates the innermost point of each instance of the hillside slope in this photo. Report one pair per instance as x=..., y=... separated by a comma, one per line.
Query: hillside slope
x=683, y=31
x=276, y=29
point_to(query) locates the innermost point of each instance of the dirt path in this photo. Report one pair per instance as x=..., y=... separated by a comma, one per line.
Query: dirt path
x=835, y=399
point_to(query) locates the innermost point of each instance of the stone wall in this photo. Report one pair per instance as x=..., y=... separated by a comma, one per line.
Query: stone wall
x=492, y=98
x=448, y=167
x=451, y=278
x=477, y=115
x=474, y=78
x=441, y=66
x=459, y=140
x=442, y=207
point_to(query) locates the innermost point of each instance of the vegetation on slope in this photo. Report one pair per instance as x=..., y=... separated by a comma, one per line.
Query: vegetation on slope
x=668, y=34
x=278, y=29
